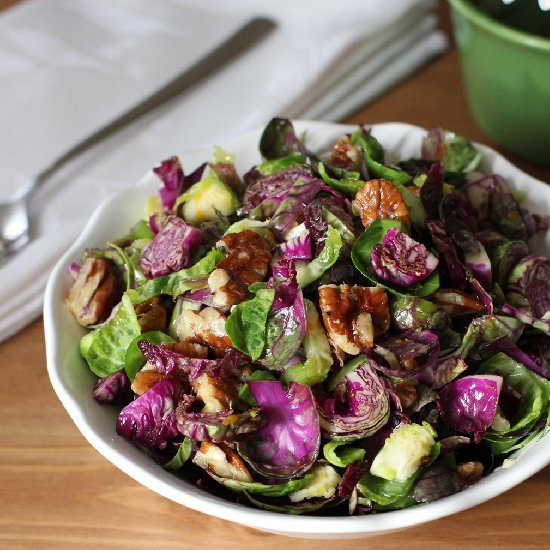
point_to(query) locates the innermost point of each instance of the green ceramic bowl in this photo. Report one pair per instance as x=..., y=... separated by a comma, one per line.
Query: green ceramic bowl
x=507, y=78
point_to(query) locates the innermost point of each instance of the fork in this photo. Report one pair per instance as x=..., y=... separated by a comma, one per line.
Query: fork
x=14, y=213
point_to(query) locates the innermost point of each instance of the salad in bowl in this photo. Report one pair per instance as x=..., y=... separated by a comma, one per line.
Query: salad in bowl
x=336, y=329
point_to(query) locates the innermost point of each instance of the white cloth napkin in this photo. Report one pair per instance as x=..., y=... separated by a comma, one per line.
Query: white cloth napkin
x=68, y=66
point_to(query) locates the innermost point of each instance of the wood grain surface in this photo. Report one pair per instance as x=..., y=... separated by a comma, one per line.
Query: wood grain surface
x=57, y=492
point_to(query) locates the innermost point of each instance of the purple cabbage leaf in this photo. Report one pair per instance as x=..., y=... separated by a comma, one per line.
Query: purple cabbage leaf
x=172, y=248
x=528, y=296
x=469, y=404
x=150, y=420
x=288, y=444
x=402, y=261
x=356, y=405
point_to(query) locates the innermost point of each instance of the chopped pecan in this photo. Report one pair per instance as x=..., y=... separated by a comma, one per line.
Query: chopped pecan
x=456, y=302
x=221, y=460
x=353, y=315
x=205, y=327
x=379, y=199
x=469, y=472
x=345, y=155
x=247, y=261
x=94, y=292
x=146, y=379
x=216, y=393
x=151, y=315
x=406, y=391
x=188, y=349
x=149, y=376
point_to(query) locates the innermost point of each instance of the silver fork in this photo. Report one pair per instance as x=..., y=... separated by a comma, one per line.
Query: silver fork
x=14, y=213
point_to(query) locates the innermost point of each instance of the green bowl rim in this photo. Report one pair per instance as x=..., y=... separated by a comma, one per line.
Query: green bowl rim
x=469, y=11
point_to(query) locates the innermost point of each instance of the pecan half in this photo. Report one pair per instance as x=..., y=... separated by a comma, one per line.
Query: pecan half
x=353, y=315
x=206, y=327
x=469, y=472
x=406, y=392
x=379, y=199
x=247, y=261
x=94, y=292
x=221, y=460
x=345, y=155
x=151, y=315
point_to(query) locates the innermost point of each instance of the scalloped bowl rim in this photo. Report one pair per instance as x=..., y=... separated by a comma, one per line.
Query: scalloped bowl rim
x=96, y=423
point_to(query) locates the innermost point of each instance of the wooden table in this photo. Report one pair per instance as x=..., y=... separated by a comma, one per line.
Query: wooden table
x=57, y=492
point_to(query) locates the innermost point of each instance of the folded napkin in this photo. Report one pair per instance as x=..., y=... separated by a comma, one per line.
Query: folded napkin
x=69, y=66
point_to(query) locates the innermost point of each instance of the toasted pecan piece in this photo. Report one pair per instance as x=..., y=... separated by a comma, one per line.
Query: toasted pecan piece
x=345, y=155
x=94, y=292
x=247, y=262
x=151, y=314
x=380, y=199
x=148, y=376
x=353, y=315
x=469, y=472
x=217, y=394
x=205, y=327
x=221, y=460
x=146, y=379
x=189, y=349
x=456, y=302
x=407, y=394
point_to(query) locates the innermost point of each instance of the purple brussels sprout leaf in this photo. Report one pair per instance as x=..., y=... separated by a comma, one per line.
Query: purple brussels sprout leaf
x=534, y=353
x=171, y=174
x=503, y=253
x=433, y=145
x=264, y=195
x=524, y=315
x=469, y=404
x=460, y=219
x=172, y=248
x=288, y=444
x=482, y=294
x=453, y=442
x=443, y=372
x=479, y=264
x=218, y=426
x=356, y=405
x=167, y=361
x=316, y=225
x=301, y=193
x=201, y=295
x=298, y=248
x=436, y=482
x=480, y=188
x=447, y=251
x=174, y=182
x=411, y=350
x=457, y=154
x=279, y=139
x=536, y=223
x=352, y=474
x=113, y=389
x=150, y=420
x=431, y=191
x=401, y=260
x=286, y=323
x=528, y=285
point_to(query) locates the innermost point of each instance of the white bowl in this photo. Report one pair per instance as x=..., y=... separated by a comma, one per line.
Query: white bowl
x=73, y=381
